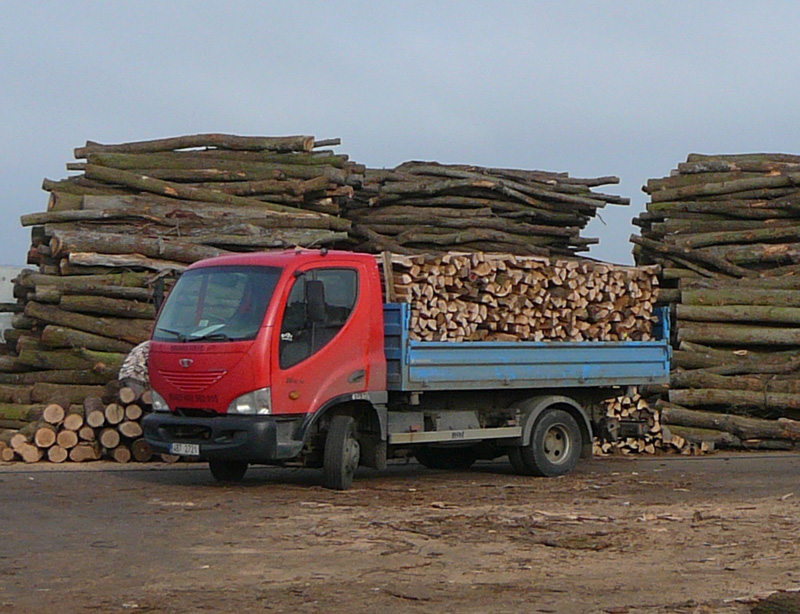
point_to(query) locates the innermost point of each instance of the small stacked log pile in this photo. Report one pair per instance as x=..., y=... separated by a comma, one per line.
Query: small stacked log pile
x=726, y=232
x=489, y=297
x=421, y=207
x=105, y=423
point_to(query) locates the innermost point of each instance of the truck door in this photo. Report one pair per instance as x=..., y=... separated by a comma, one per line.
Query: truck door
x=322, y=348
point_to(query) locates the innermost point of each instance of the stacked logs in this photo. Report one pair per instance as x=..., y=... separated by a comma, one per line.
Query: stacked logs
x=104, y=424
x=491, y=297
x=114, y=237
x=421, y=207
x=726, y=232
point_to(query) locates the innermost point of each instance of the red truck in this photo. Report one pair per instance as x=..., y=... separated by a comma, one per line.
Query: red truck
x=293, y=358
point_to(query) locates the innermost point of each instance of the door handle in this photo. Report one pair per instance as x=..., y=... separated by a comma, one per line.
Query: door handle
x=357, y=376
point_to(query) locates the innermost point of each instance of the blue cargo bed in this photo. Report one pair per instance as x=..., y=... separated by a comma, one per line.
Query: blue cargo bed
x=415, y=366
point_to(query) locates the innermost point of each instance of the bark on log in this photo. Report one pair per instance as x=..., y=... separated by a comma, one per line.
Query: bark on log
x=63, y=242
x=741, y=426
x=219, y=141
x=130, y=330
x=63, y=337
x=739, y=313
x=738, y=334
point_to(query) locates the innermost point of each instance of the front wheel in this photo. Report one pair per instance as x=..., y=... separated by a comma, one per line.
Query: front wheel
x=227, y=470
x=342, y=453
x=555, y=446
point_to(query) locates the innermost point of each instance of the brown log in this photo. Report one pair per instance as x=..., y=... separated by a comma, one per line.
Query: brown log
x=85, y=451
x=54, y=412
x=738, y=334
x=87, y=433
x=67, y=393
x=16, y=394
x=133, y=412
x=121, y=454
x=67, y=439
x=63, y=242
x=29, y=453
x=73, y=421
x=109, y=438
x=130, y=330
x=94, y=410
x=45, y=436
x=141, y=450
x=737, y=399
x=63, y=337
x=92, y=261
x=84, y=284
x=115, y=414
x=220, y=141
x=57, y=454
x=128, y=395
x=741, y=426
x=739, y=313
x=108, y=306
x=130, y=429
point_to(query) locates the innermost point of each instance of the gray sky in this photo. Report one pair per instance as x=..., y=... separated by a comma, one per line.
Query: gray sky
x=592, y=88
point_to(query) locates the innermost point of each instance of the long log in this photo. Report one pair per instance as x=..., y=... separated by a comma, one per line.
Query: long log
x=220, y=141
x=168, y=188
x=741, y=426
x=741, y=296
x=693, y=256
x=726, y=187
x=130, y=330
x=70, y=359
x=81, y=285
x=63, y=242
x=702, y=378
x=63, y=337
x=112, y=307
x=738, y=334
x=23, y=412
x=60, y=376
x=122, y=261
x=73, y=393
x=739, y=313
x=736, y=399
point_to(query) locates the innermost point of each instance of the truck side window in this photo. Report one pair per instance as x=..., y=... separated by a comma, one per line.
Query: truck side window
x=319, y=304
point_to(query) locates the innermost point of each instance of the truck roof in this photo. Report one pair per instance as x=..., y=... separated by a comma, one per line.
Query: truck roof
x=295, y=257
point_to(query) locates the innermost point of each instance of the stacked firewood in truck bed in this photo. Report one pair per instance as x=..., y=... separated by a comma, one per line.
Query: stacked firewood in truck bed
x=490, y=297
x=423, y=207
x=726, y=230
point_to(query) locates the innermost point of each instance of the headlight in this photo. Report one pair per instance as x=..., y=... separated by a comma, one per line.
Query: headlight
x=258, y=402
x=159, y=404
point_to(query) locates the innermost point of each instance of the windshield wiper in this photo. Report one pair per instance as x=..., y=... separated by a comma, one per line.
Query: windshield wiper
x=213, y=335
x=178, y=334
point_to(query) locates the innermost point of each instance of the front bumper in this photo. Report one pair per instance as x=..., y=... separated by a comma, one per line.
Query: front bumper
x=255, y=439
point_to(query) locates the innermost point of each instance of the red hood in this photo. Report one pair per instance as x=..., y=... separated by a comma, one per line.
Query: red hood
x=206, y=375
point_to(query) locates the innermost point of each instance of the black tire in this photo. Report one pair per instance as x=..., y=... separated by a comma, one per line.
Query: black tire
x=453, y=459
x=227, y=470
x=515, y=456
x=342, y=453
x=555, y=446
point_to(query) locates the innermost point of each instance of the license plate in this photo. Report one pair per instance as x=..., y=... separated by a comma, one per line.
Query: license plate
x=185, y=449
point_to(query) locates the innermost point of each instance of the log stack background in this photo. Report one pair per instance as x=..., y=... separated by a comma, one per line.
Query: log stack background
x=424, y=207
x=726, y=232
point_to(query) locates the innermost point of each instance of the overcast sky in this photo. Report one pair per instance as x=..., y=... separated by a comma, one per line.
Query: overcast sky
x=592, y=88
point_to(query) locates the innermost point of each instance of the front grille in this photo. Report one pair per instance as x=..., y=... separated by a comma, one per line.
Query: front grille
x=192, y=382
x=195, y=412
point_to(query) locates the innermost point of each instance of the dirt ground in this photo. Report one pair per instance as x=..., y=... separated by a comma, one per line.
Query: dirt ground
x=620, y=535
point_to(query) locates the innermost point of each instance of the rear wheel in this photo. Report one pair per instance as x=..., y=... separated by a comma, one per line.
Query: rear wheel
x=342, y=453
x=456, y=459
x=227, y=470
x=555, y=446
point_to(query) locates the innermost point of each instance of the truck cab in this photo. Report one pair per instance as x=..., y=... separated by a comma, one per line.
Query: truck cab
x=250, y=353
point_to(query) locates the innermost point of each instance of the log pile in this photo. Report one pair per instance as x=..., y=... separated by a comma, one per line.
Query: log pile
x=420, y=207
x=502, y=297
x=104, y=423
x=726, y=232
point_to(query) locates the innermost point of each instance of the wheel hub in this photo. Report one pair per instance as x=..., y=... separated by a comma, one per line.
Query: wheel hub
x=557, y=444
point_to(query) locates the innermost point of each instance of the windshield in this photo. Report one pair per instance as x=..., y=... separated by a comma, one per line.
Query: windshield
x=225, y=303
